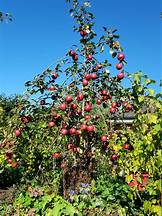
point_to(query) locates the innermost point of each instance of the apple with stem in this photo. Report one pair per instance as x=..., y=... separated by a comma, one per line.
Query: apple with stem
x=121, y=56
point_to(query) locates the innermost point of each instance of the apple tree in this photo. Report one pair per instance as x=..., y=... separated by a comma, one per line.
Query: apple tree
x=70, y=127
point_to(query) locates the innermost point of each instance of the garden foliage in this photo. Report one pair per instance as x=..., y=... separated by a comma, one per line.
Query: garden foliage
x=66, y=147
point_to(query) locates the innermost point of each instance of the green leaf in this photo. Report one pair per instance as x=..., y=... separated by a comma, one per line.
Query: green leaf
x=128, y=178
x=152, y=118
x=101, y=48
x=105, y=29
x=139, y=179
x=116, y=36
x=141, y=98
x=151, y=92
x=87, y=4
x=122, y=212
x=156, y=209
x=157, y=127
x=45, y=201
x=114, y=54
x=137, y=76
x=56, y=211
x=69, y=210
x=1, y=171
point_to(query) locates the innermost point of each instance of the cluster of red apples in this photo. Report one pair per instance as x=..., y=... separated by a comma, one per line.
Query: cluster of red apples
x=79, y=106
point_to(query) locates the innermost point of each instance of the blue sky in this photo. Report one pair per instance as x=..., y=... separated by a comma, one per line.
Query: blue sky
x=41, y=33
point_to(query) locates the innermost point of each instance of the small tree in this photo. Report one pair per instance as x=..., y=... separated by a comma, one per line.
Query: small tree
x=84, y=107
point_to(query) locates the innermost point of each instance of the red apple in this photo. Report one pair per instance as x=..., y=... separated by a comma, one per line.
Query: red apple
x=52, y=88
x=145, y=175
x=18, y=132
x=74, y=106
x=83, y=127
x=125, y=104
x=78, y=132
x=114, y=104
x=98, y=101
x=80, y=97
x=89, y=57
x=72, y=53
x=104, y=92
x=57, y=155
x=9, y=161
x=145, y=178
x=88, y=76
x=72, y=131
x=87, y=117
x=25, y=119
x=121, y=56
x=120, y=75
x=105, y=98
x=54, y=75
x=126, y=146
x=113, y=110
x=63, y=165
x=83, y=33
x=64, y=131
x=90, y=128
x=62, y=106
x=68, y=98
x=75, y=58
x=51, y=124
x=104, y=138
x=85, y=82
x=93, y=76
x=87, y=108
x=114, y=157
x=133, y=183
x=119, y=66
x=79, y=111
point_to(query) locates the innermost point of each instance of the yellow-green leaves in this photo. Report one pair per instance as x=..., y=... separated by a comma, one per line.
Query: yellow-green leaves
x=152, y=118
x=137, y=76
x=141, y=99
x=151, y=92
x=150, y=208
